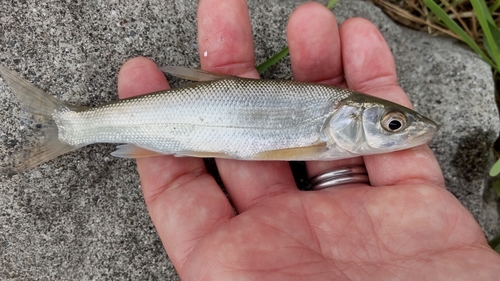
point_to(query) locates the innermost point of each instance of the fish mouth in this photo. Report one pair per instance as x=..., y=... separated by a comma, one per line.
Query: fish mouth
x=432, y=126
x=428, y=129
x=423, y=131
x=426, y=123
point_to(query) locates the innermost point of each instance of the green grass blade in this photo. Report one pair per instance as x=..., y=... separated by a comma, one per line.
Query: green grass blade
x=484, y=17
x=496, y=41
x=458, y=30
x=481, y=10
x=495, y=6
x=496, y=33
x=272, y=60
x=332, y=3
x=495, y=170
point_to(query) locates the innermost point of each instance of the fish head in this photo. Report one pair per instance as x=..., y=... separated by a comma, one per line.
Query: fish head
x=366, y=125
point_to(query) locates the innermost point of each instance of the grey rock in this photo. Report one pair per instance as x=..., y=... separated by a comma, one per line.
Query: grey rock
x=82, y=216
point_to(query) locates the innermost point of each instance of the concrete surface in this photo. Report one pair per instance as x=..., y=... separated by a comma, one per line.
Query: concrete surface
x=82, y=216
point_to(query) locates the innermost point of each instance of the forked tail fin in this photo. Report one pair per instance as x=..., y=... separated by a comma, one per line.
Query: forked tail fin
x=36, y=101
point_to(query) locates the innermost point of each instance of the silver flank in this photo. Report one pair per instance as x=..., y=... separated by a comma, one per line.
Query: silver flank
x=237, y=117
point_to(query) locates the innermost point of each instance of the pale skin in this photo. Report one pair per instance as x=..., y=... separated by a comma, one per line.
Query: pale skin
x=404, y=226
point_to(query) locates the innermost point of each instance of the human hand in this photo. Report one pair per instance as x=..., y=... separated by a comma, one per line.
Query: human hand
x=404, y=226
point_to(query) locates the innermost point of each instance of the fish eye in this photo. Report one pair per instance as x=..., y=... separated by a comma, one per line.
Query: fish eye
x=394, y=121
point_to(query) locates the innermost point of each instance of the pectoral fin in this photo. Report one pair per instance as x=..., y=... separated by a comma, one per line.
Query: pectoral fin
x=134, y=151
x=202, y=154
x=193, y=74
x=297, y=153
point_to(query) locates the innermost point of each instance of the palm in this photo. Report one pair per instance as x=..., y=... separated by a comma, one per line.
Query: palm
x=404, y=226
x=351, y=233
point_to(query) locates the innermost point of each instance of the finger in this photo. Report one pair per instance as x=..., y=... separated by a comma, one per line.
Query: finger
x=225, y=40
x=369, y=67
x=226, y=46
x=140, y=76
x=183, y=200
x=315, y=53
x=314, y=43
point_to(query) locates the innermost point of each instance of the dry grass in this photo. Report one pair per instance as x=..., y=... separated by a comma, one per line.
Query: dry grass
x=414, y=14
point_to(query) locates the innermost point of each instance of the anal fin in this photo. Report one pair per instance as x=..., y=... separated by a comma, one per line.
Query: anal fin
x=290, y=154
x=202, y=154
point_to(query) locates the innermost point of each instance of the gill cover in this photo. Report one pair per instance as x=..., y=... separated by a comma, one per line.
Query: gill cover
x=345, y=128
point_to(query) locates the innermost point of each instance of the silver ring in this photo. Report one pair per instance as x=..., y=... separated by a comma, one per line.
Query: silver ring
x=339, y=176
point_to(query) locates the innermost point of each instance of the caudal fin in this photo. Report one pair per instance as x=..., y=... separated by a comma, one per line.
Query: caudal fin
x=36, y=101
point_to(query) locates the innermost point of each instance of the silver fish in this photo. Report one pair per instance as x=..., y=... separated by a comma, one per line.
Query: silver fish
x=227, y=117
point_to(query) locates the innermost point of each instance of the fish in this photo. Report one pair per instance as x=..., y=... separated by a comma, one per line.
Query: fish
x=223, y=116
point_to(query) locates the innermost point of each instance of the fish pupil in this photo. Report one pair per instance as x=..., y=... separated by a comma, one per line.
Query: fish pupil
x=394, y=125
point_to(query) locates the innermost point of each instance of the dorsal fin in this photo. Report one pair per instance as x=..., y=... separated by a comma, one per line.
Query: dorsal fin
x=193, y=74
